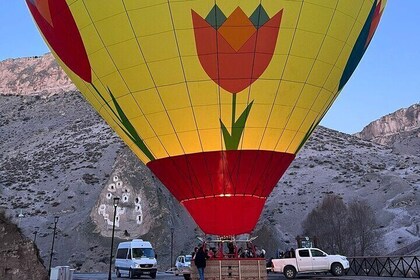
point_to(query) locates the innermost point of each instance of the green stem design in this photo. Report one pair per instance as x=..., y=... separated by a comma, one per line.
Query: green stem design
x=313, y=126
x=309, y=133
x=232, y=139
x=126, y=127
x=233, y=109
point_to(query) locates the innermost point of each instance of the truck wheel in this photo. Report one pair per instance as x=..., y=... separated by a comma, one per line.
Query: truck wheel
x=289, y=272
x=187, y=276
x=118, y=273
x=337, y=269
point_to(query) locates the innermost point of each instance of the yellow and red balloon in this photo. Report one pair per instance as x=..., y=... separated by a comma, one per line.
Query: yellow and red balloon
x=216, y=97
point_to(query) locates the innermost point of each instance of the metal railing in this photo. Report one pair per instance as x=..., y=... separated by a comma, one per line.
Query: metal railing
x=387, y=266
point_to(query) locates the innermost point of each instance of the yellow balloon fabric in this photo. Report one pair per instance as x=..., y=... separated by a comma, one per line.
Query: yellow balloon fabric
x=177, y=78
x=144, y=52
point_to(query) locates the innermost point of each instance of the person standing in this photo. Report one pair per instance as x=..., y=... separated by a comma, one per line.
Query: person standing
x=194, y=253
x=200, y=262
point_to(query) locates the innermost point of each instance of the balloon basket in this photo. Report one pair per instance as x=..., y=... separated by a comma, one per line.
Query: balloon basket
x=235, y=269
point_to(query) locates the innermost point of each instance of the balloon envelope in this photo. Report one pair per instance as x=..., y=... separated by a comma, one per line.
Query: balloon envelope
x=216, y=97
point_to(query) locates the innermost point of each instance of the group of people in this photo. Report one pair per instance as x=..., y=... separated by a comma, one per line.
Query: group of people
x=288, y=254
x=201, y=254
x=251, y=252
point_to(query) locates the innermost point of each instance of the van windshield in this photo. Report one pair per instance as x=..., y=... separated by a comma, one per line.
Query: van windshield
x=143, y=253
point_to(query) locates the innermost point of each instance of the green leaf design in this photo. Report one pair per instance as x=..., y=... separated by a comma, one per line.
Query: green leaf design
x=128, y=128
x=308, y=134
x=232, y=140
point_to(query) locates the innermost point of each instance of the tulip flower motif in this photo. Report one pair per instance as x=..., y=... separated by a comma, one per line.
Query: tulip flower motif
x=234, y=52
x=57, y=24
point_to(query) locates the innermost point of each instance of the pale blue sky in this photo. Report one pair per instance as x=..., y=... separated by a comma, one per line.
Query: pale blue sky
x=387, y=79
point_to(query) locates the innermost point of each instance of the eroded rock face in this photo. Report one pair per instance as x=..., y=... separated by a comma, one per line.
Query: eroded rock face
x=33, y=75
x=19, y=259
x=128, y=213
x=384, y=130
x=146, y=209
x=134, y=214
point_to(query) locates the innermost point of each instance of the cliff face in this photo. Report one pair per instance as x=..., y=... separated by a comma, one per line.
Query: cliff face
x=33, y=75
x=19, y=258
x=387, y=129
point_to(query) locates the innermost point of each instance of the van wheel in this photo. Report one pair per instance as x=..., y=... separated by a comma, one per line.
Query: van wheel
x=289, y=272
x=153, y=275
x=130, y=274
x=118, y=273
x=337, y=269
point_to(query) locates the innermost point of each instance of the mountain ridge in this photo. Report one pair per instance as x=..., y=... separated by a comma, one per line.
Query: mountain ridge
x=385, y=129
x=33, y=75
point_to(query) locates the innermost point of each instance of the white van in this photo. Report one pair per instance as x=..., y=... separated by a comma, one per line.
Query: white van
x=136, y=258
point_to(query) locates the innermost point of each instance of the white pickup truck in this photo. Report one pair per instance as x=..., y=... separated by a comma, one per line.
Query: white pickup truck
x=310, y=260
x=183, y=266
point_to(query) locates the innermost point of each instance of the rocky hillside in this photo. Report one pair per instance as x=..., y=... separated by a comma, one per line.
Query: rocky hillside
x=355, y=169
x=395, y=127
x=57, y=157
x=33, y=75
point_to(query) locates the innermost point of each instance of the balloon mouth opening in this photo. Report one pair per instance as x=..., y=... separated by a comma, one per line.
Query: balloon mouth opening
x=228, y=214
x=224, y=191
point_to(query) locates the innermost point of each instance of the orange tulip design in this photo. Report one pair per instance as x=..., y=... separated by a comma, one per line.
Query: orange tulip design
x=235, y=51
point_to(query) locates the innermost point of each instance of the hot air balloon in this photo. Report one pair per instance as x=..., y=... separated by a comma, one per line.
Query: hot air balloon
x=215, y=97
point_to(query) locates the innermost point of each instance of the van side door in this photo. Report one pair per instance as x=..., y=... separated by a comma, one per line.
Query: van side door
x=121, y=258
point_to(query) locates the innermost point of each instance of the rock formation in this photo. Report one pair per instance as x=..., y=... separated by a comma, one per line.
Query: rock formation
x=387, y=129
x=33, y=75
x=19, y=257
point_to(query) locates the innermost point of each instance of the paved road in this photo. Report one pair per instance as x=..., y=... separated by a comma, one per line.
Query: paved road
x=271, y=276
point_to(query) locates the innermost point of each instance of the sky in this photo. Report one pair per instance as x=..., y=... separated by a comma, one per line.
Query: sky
x=387, y=78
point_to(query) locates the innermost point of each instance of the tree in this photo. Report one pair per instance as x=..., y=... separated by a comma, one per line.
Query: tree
x=348, y=230
x=361, y=227
x=328, y=222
